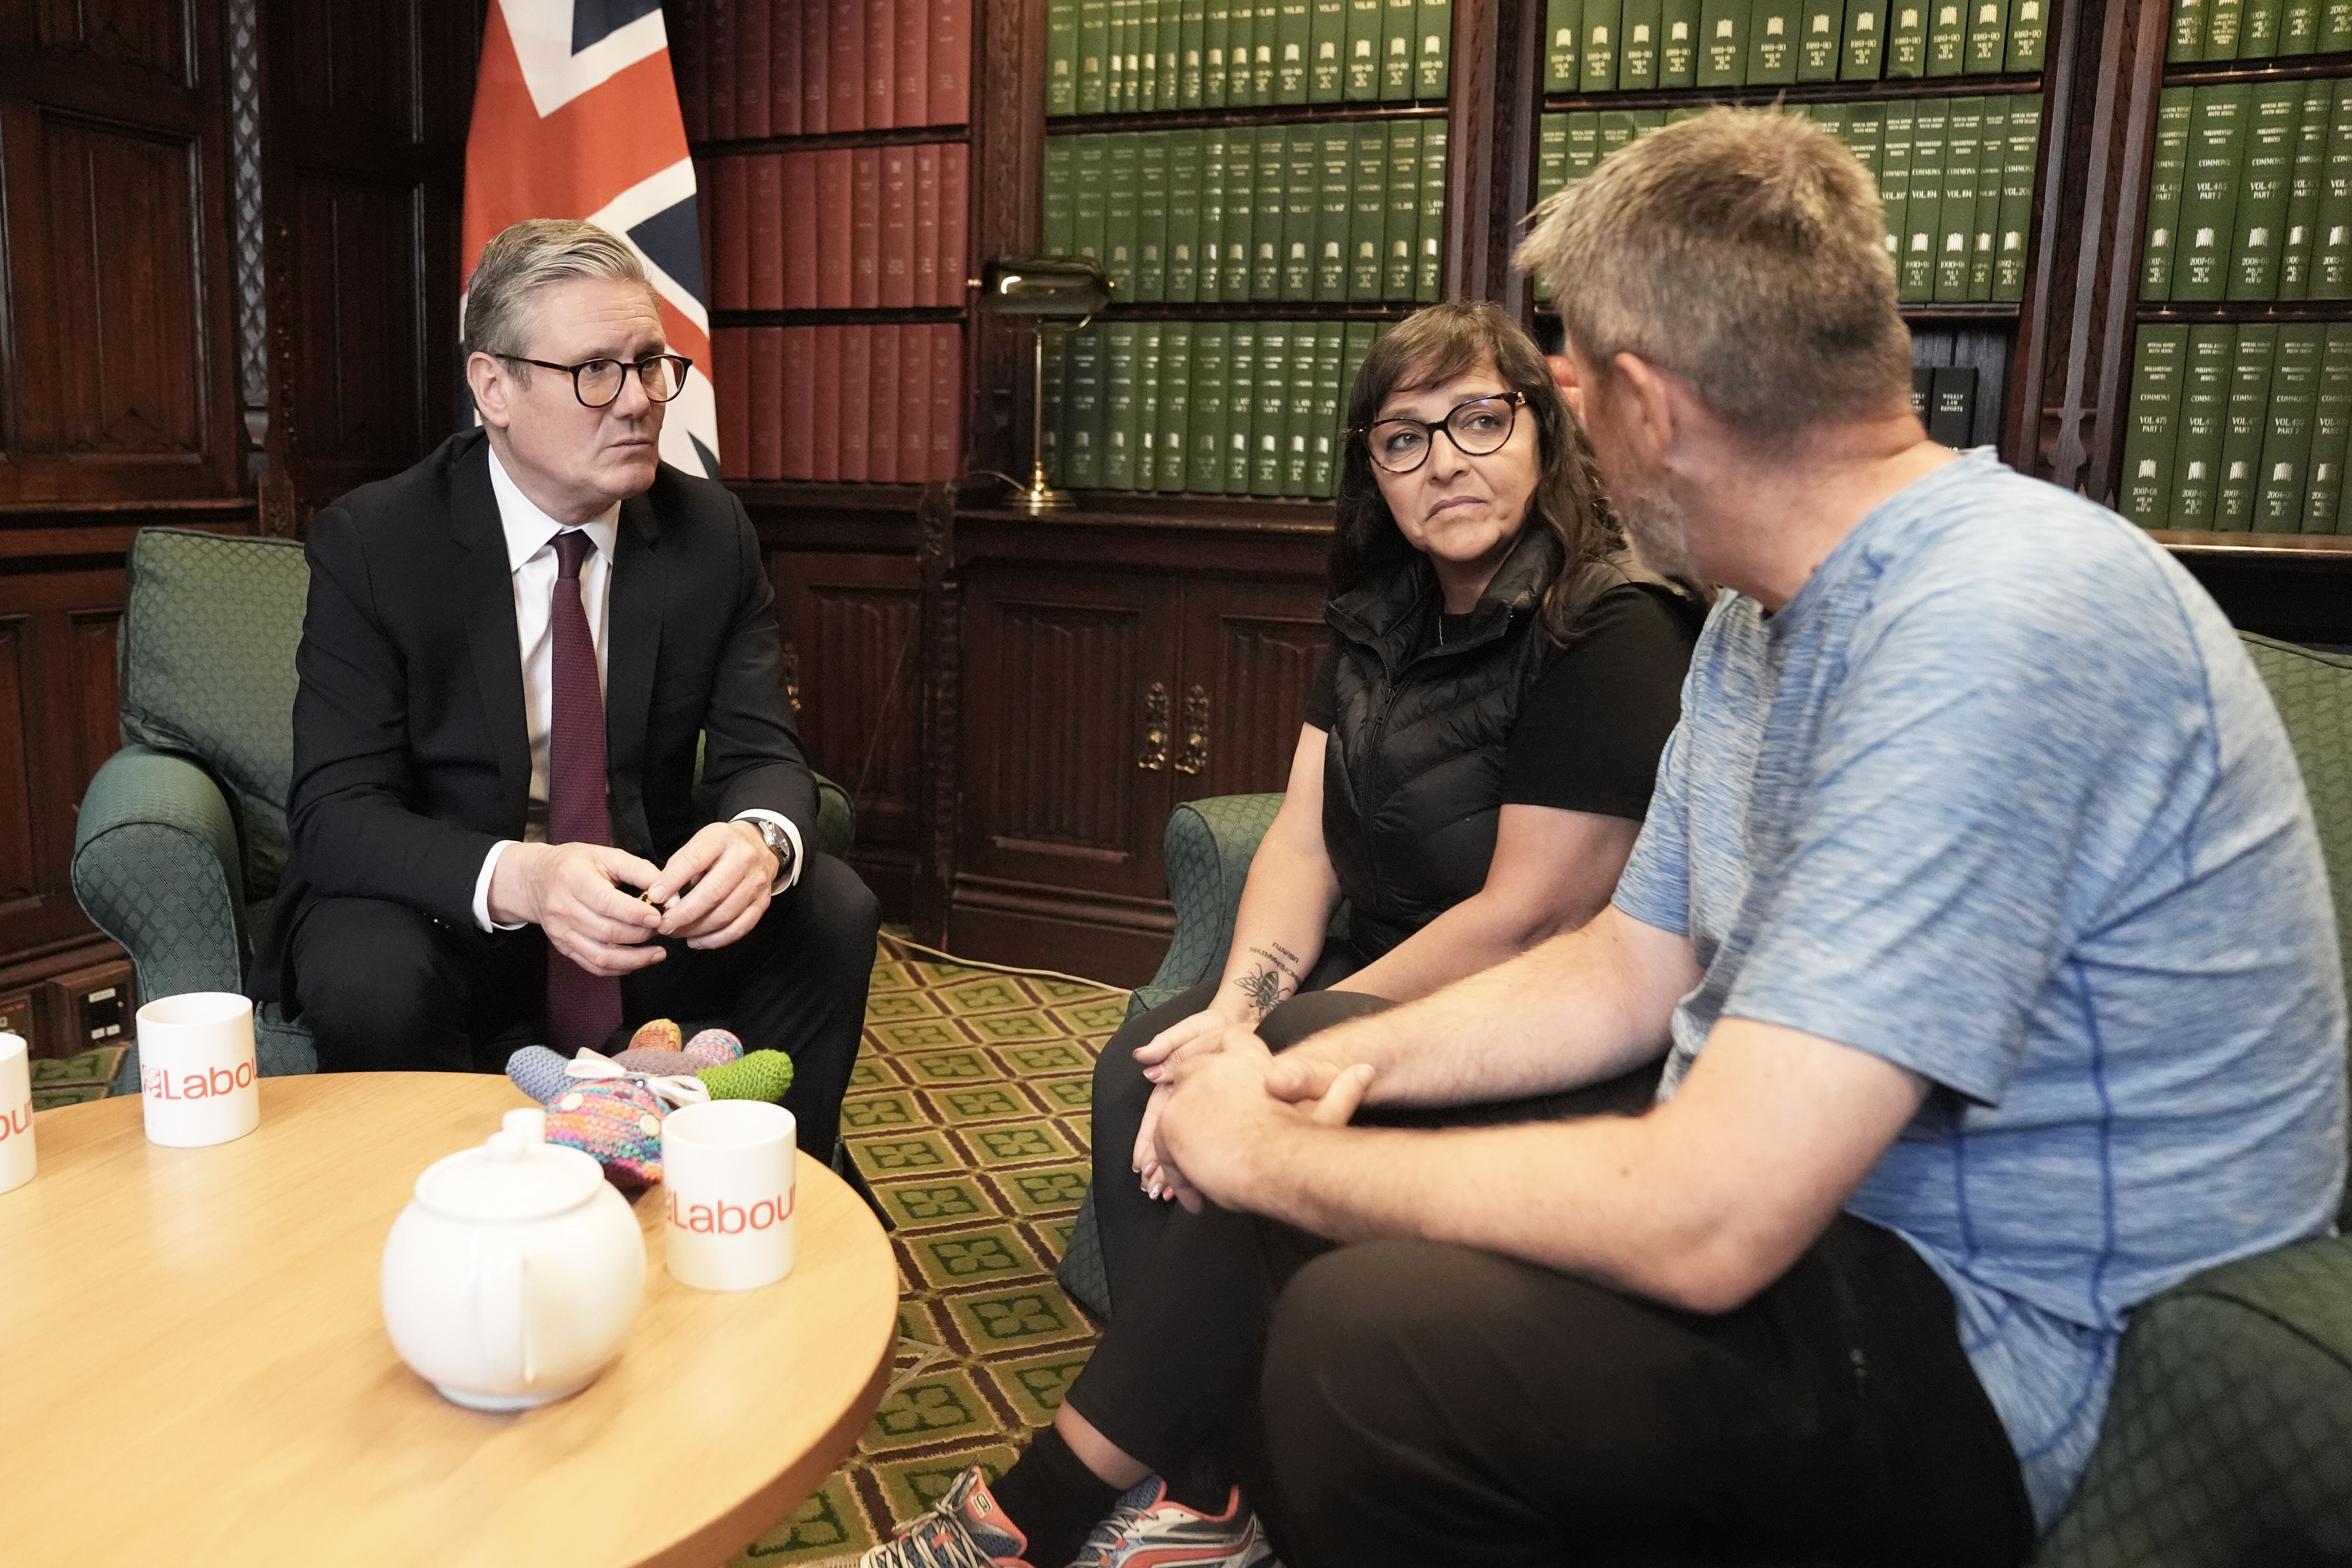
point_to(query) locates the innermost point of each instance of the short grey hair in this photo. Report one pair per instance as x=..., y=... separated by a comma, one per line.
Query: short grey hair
x=1745, y=251
x=523, y=258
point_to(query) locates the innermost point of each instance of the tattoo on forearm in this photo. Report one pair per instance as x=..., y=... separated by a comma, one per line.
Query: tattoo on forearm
x=1271, y=981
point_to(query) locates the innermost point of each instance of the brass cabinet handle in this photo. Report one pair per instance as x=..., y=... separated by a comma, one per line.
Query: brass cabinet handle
x=1195, y=756
x=1154, y=757
x=793, y=678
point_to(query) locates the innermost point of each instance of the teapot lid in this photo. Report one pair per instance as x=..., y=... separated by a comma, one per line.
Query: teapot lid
x=511, y=1177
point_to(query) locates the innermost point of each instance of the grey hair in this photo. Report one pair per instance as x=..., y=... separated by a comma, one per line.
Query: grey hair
x=1745, y=251
x=523, y=258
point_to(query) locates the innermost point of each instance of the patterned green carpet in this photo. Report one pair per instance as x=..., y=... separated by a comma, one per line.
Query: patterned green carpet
x=969, y=1114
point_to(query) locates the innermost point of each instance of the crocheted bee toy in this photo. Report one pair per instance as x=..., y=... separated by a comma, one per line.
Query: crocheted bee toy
x=612, y=1107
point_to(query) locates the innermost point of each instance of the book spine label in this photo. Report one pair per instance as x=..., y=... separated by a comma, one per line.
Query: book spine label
x=1171, y=52
x=1090, y=191
x=1946, y=37
x=1396, y=51
x=1991, y=165
x=1115, y=39
x=1563, y=51
x=2167, y=174
x=1183, y=216
x=731, y=217
x=1860, y=53
x=1053, y=405
x=1211, y=288
x=1240, y=405
x=1771, y=42
x=2259, y=223
x=1678, y=25
x=1363, y=81
x=2248, y=421
x=884, y=401
x=1401, y=237
x=1907, y=38
x=1896, y=128
x=1368, y=230
x=1094, y=58
x=1433, y=51
x=836, y=201
x=816, y=70
x=1175, y=405
x=1082, y=429
x=1818, y=23
x=1327, y=49
x=767, y=236
x=2143, y=494
x=2015, y=225
x=800, y=401
x=768, y=425
x=1271, y=422
x=1298, y=405
x=1216, y=40
x=1057, y=199
x=856, y=403
x=1429, y=268
x=1301, y=188
x=2284, y=474
x=800, y=193
x=1334, y=207
x=2331, y=269
x=2305, y=182
x=1924, y=211
x=719, y=82
x=847, y=111
x=1294, y=36
x=1956, y=209
x=2331, y=433
x=1192, y=21
x=948, y=61
x=955, y=230
x=2221, y=20
x=1241, y=211
x=897, y=290
x=1061, y=56
x=2258, y=30
x=689, y=59
x=731, y=384
x=1148, y=338
x=2186, y=42
x=824, y=426
x=1272, y=199
x=1323, y=433
x=1597, y=71
x=2204, y=423
x=1204, y=441
x=1551, y=156
x=2335, y=26
x=881, y=63
x=912, y=355
x=750, y=51
x=1637, y=57
x=1722, y=42
x=946, y=420
x=1988, y=44
x=2029, y=36
x=2208, y=198
x=1151, y=217
x=1120, y=177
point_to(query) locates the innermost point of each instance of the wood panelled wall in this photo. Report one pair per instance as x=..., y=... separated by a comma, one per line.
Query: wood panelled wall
x=230, y=246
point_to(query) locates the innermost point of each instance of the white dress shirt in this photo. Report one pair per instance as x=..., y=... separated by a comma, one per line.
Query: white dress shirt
x=530, y=560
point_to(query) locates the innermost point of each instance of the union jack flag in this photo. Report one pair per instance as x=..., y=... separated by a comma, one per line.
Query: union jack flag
x=576, y=116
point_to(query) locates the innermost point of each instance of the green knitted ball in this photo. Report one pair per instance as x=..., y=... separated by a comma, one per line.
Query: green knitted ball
x=762, y=1075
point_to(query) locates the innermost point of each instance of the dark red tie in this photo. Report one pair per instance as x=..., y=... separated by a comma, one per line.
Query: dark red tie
x=582, y=1008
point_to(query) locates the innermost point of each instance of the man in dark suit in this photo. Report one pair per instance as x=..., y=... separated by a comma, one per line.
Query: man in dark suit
x=512, y=653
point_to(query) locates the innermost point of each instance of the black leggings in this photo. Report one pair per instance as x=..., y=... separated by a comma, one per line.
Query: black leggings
x=1414, y=1402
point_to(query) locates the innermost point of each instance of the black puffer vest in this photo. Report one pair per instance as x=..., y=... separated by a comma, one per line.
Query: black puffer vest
x=1413, y=774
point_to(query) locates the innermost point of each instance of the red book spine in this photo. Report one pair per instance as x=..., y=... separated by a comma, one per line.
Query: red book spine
x=832, y=229
x=800, y=402
x=730, y=384
x=927, y=224
x=688, y=56
x=882, y=427
x=955, y=208
x=767, y=231
x=865, y=228
x=719, y=57
x=766, y=354
x=856, y=409
x=824, y=427
x=706, y=207
x=730, y=194
x=914, y=403
x=799, y=247
x=817, y=66
x=912, y=42
x=848, y=65
x=950, y=62
x=752, y=63
x=881, y=64
x=785, y=70
x=946, y=401
x=897, y=227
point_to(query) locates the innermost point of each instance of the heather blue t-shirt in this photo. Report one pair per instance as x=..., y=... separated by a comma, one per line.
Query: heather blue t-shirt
x=1998, y=798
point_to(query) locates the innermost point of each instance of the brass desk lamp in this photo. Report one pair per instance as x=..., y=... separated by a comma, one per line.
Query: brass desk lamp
x=1064, y=289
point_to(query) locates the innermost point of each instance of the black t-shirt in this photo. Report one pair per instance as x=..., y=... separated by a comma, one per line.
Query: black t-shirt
x=1599, y=712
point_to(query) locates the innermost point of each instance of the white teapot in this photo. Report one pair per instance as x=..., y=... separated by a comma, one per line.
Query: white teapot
x=512, y=1278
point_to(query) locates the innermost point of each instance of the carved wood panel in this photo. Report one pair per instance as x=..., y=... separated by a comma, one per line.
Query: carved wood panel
x=356, y=61
x=1065, y=785
x=853, y=634
x=90, y=636
x=1250, y=651
x=357, y=370
x=19, y=876
x=148, y=36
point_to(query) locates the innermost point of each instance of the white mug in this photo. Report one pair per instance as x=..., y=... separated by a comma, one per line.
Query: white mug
x=197, y=1074
x=16, y=1113
x=727, y=1180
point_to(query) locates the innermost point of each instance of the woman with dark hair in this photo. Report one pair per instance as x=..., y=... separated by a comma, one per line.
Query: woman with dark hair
x=1477, y=755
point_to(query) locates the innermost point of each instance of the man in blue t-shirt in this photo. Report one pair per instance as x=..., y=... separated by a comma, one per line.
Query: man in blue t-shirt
x=1978, y=925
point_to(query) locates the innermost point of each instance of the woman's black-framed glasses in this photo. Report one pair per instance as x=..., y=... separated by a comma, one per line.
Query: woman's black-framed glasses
x=596, y=381
x=1477, y=427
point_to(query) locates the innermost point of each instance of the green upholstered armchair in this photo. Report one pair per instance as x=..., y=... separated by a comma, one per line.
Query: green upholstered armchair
x=182, y=835
x=2228, y=1442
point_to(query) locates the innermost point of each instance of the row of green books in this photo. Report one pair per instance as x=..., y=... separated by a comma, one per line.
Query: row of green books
x=2250, y=193
x=2257, y=29
x=1210, y=407
x=1956, y=175
x=1335, y=211
x=1635, y=46
x=1137, y=56
x=2241, y=428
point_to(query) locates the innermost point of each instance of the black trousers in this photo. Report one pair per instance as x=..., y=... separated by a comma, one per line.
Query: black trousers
x=384, y=988
x=1418, y=1403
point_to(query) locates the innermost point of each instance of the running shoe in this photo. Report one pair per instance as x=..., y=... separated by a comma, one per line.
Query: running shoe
x=965, y=1529
x=1148, y=1529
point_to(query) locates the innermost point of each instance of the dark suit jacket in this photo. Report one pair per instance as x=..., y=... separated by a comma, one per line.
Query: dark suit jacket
x=411, y=756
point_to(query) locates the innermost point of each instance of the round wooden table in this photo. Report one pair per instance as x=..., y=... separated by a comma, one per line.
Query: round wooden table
x=194, y=1367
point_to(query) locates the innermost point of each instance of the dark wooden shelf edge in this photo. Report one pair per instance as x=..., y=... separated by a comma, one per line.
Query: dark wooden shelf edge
x=887, y=315
x=1262, y=114
x=1260, y=311
x=2244, y=310
x=1972, y=310
x=802, y=495
x=1799, y=92
x=896, y=136
x=1139, y=509
x=2288, y=67
x=18, y=512
x=2302, y=548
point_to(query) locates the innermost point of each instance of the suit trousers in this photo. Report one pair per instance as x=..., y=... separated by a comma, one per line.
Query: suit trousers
x=1412, y=1402
x=385, y=988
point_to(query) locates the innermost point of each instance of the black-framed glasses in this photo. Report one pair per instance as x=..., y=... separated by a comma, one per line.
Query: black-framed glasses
x=1477, y=427
x=596, y=381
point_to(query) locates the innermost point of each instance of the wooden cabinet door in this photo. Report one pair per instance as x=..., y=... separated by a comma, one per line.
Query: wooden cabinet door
x=1065, y=790
x=1250, y=654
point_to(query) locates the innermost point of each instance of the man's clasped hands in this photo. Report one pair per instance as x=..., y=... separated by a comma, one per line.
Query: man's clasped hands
x=720, y=878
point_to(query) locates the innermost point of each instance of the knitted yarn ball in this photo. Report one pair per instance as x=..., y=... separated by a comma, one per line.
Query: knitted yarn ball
x=714, y=1047
x=762, y=1075
x=538, y=1073
x=657, y=1034
x=616, y=1121
x=660, y=1064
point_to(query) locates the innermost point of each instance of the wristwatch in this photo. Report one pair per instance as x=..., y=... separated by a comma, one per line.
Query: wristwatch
x=779, y=842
